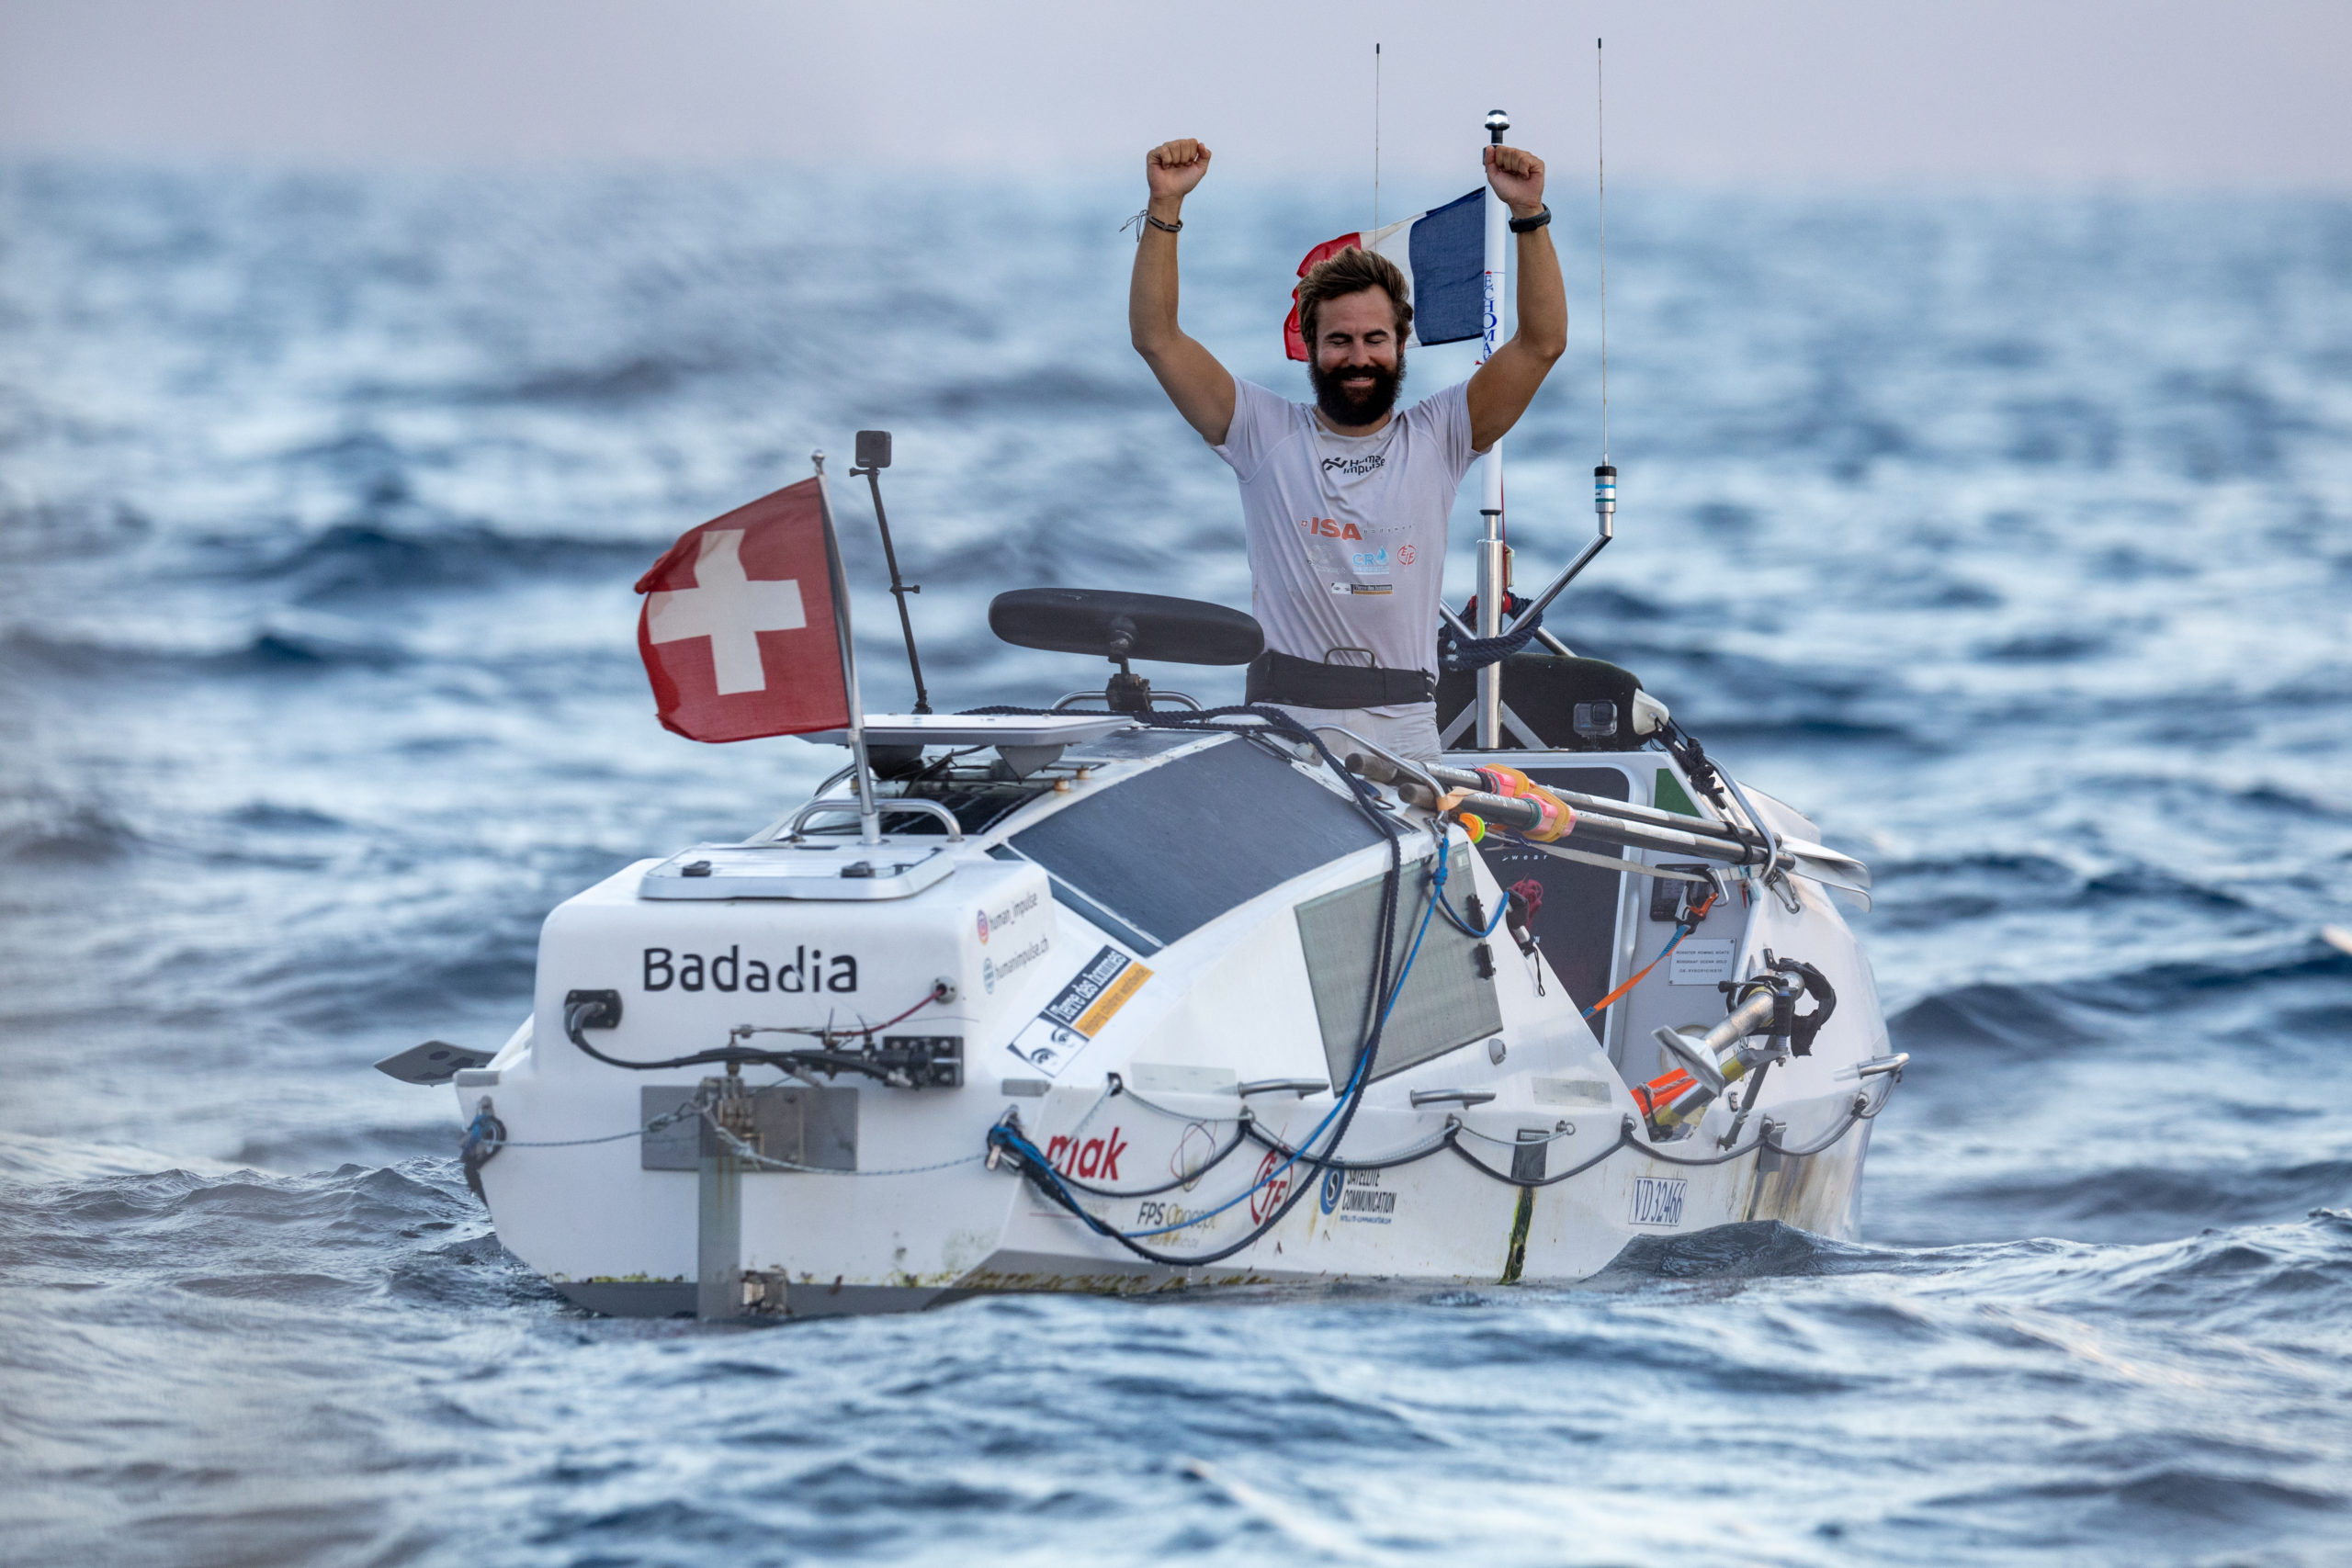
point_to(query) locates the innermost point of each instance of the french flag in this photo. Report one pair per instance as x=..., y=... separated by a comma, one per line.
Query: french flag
x=1442, y=253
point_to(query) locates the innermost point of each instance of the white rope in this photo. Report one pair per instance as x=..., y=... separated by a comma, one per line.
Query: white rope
x=1241, y=1115
x=653, y=1126
x=1554, y=1136
x=744, y=1152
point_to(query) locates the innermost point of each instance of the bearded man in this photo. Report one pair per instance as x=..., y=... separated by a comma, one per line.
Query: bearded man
x=1345, y=499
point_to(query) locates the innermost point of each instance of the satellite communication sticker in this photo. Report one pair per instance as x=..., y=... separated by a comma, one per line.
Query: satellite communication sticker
x=1079, y=1011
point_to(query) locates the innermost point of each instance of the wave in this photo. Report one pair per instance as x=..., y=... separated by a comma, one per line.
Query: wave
x=1761, y=1249
x=2157, y=986
x=327, y=1238
x=2061, y=647
x=1715, y=693
x=1613, y=603
x=35, y=1159
x=2279, y=798
x=274, y=650
x=627, y=379
x=154, y=1211
x=1988, y=1016
x=1925, y=892
x=1050, y=389
x=2038, y=1017
x=2144, y=1202
x=367, y=558
x=42, y=831
x=2231, y=1272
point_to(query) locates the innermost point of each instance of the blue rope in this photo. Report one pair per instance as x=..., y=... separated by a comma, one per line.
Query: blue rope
x=1364, y=1060
x=1462, y=923
x=1029, y=1151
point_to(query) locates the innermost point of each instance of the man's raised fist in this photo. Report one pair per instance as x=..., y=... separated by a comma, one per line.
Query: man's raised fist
x=1173, y=168
x=1518, y=178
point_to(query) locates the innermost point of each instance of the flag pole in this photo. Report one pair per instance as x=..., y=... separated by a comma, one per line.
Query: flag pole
x=1494, y=555
x=869, y=821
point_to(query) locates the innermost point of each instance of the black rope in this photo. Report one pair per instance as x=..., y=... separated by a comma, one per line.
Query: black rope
x=1764, y=1141
x=1696, y=765
x=1624, y=1138
x=1333, y=1162
x=1458, y=655
x=828, y=1062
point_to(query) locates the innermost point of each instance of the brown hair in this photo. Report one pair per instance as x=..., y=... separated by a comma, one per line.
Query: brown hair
x=1353, y=271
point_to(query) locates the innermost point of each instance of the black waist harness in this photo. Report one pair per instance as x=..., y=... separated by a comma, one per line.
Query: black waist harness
x=1305, y=683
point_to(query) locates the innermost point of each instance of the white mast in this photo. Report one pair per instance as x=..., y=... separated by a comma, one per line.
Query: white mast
x=1494, y=571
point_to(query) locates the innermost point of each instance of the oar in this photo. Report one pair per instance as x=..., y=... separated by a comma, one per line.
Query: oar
x=1625, y=823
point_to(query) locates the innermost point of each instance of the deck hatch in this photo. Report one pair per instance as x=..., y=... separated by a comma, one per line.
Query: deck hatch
x=1444, y=1005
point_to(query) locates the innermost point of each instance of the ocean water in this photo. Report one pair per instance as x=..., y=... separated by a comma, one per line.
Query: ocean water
x=2011, y=538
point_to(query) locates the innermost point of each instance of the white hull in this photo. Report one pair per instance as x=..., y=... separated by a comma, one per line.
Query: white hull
x=1229, y=1002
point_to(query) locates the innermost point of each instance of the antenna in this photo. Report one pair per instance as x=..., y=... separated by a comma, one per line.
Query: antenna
x=1376, y=135
x=1600, y=186
x=1604, y=478
x=873, y=456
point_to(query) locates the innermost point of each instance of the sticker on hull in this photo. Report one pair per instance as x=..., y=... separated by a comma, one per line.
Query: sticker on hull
x=1356, y=1197
x=1269, y=1189
x=1079, y=1011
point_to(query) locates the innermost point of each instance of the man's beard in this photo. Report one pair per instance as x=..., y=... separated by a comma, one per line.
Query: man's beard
x=1346, y=405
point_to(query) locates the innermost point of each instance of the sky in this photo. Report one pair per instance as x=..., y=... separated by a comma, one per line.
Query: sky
x=2168, y=92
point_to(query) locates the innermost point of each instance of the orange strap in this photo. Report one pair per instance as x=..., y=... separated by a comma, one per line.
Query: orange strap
x=1663, y=1089
x=1696, y=915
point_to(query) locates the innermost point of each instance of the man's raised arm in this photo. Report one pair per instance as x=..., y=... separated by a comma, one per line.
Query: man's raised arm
x=1507, y=383
x=1201, y=389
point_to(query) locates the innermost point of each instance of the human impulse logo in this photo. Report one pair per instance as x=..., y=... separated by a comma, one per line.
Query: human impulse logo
x=1005, y=916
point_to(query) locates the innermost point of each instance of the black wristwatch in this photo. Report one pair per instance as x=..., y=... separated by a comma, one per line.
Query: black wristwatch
x=1529, y=225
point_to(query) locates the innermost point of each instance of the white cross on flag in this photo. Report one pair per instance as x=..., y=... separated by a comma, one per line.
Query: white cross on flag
x=739, y=632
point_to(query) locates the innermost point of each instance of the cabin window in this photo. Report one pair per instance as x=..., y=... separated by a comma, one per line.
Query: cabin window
x=1446, y=1001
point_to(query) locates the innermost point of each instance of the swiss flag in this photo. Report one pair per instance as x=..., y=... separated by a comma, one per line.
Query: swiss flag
x=739, y=632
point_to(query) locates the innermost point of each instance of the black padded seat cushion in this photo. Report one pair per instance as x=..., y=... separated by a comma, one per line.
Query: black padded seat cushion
x=1545, y=690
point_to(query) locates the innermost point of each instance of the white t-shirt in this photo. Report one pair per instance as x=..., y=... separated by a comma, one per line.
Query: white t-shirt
x=1347, y=532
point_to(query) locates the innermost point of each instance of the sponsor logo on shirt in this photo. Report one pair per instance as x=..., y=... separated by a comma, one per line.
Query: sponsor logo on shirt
x=1364, y=588
x=1371, y=464
x=1372, y=562
x=1330, y=528
x=1404, y=554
